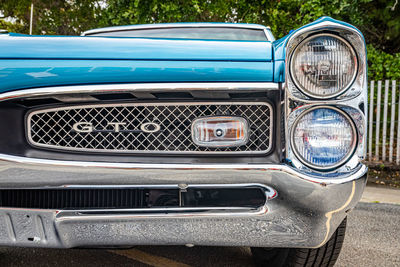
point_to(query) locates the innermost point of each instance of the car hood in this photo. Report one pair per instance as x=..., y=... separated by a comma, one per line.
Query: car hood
x=132, y=49
x=29, y=62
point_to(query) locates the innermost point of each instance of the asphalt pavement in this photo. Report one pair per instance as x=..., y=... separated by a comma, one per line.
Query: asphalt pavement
x=372, y=239
x=372, y=236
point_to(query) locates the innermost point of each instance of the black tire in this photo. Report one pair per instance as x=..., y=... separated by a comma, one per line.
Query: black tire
x=282, y=257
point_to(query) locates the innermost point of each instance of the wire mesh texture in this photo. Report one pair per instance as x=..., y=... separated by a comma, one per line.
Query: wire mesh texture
x=54, y=128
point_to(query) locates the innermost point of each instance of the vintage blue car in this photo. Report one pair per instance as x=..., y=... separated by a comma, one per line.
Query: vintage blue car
x=209, y=134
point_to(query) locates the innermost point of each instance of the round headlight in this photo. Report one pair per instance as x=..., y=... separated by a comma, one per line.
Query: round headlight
x=323, y=137
x=323, y=66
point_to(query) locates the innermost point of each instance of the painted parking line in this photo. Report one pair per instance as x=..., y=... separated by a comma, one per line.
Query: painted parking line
x=149, y=259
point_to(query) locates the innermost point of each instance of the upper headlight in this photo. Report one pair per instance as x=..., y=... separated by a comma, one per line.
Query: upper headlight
x=323, y=137
x=323, y=65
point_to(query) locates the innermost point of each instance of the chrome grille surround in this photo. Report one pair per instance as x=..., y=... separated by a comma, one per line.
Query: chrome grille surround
x=52, y=127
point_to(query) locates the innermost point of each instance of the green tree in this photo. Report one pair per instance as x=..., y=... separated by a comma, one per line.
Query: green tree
x=122, y=12
x=52, y=16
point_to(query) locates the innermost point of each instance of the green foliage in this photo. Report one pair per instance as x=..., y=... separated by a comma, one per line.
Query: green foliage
x=51, y=16
x=382, y=65
x=122, y=12
x=380, y=24
x=11, y=27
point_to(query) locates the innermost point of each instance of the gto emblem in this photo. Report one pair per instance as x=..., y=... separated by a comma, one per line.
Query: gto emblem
x=150, y=127
x=87, y=127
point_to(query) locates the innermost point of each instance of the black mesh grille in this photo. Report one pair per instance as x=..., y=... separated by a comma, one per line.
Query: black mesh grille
x=130, y=198
x=76, y=198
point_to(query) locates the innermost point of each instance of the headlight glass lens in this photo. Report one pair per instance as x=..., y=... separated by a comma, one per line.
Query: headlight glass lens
x=323, y=138
x=323, y=66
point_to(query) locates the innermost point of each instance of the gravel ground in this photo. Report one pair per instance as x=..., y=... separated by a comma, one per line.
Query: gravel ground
x=372, y=239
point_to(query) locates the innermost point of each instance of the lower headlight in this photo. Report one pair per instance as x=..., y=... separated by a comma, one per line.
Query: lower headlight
x=323, y=137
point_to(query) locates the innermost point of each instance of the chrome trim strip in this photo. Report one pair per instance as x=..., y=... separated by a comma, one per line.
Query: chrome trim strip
x=164, y=186
x=247, y=152
x=161, y=213
x=146, y=87
x=315, y=177
x=173, y=25
x=269, y=35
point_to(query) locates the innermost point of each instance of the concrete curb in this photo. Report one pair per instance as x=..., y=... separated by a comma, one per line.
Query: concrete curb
x=381, y=195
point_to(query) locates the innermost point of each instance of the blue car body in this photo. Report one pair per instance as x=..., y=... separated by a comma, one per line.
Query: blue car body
x=50, y=61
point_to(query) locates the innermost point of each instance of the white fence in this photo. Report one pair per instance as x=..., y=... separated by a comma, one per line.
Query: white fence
x=384, y=123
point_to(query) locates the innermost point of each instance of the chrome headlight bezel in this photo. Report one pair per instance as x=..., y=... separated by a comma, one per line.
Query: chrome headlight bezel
x=353, y=101
x=337, y=164
x=307, y=92
x=352, y=36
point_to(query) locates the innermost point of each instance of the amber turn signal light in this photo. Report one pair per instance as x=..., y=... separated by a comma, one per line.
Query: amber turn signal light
x=220, y=131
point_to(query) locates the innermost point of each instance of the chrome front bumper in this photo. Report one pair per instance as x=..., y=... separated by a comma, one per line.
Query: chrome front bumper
x=305, y=211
